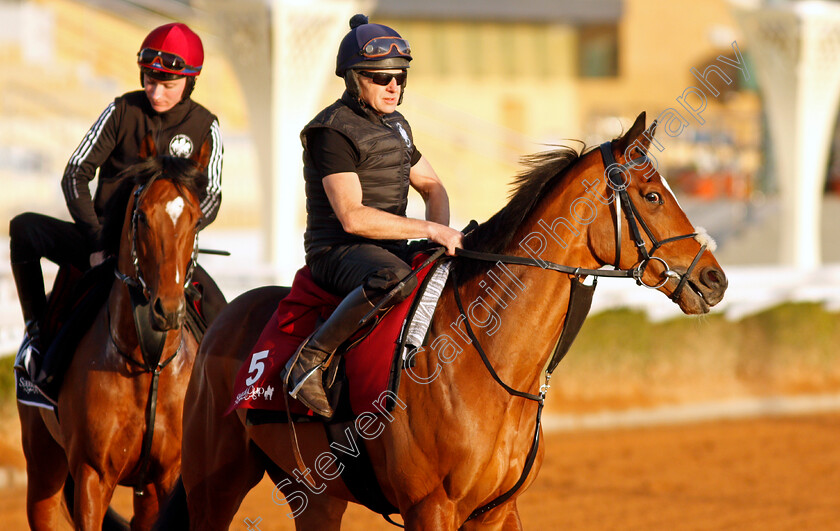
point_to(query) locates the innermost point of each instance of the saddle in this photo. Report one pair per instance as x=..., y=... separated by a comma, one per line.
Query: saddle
x=367, y=375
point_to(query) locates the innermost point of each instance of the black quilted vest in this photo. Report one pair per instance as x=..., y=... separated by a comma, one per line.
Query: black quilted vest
x=384, y=144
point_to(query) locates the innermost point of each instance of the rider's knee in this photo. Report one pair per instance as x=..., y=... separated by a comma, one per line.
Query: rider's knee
x=381, y=282
x=20, y=237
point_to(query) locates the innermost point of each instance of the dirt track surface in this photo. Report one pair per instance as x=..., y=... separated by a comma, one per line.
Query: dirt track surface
x=767, y=474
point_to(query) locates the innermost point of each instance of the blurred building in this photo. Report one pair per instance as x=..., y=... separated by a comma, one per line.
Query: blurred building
x=496, y=80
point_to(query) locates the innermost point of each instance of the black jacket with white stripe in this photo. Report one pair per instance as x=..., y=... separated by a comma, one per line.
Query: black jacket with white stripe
x=113, y=143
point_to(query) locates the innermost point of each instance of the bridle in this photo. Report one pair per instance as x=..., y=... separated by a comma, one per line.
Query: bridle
x=580, y=292
x=138, y=282
x=622, y=203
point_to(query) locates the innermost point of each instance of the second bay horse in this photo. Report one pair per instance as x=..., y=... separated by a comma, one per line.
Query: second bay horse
x=99, y=428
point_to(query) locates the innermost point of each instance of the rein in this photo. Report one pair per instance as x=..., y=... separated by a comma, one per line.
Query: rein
x=580, y=298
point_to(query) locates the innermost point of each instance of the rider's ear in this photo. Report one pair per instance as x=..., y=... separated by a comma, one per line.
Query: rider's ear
x=202, y=156
x=148, y=149
x=637, y=129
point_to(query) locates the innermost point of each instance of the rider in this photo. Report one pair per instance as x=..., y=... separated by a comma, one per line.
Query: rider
x=359, y=160
x=170, y=59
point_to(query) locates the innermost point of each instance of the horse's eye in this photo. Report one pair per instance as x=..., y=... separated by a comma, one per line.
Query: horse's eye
x=653, y=197
x=141, y=217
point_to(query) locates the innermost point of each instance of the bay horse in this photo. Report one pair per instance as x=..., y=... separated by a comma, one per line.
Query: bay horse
x=452, y=453
x=99, y=432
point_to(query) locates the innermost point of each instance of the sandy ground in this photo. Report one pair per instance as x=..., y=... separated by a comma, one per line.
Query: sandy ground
x=767, y=474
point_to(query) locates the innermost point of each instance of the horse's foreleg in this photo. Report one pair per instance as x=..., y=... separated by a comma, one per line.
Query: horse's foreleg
x=145, y=508
x=319, y=512
x=322, y=513
x=435, y=511
x=92, y=498
x=502, y=518
x=218, y=466
x=46, y=470
x=147, y=505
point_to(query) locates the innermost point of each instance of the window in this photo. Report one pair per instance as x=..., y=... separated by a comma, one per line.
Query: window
x=598, y=51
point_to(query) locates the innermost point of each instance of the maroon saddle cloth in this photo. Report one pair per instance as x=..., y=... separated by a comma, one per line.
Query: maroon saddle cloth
x=370, y=362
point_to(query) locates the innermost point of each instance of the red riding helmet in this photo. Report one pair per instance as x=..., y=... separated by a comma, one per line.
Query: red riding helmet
x=172, y=49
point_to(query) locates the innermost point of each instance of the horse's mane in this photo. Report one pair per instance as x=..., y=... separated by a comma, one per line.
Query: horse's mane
x=184, y=173
x=542, y=172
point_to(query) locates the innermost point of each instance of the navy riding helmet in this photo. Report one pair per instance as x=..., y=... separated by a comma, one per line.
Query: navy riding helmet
x=371, y=47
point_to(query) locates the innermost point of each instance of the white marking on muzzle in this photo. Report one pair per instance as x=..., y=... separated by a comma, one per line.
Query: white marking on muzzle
x=703, y=238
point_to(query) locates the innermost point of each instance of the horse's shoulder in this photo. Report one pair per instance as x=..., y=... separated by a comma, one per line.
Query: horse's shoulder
x=259, y=297
x=250, y=309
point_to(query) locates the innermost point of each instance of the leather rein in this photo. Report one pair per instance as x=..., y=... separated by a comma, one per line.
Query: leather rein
x=581, y=294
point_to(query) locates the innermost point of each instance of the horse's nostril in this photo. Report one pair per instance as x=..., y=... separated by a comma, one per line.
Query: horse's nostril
x=713, y=277
x=158, y=308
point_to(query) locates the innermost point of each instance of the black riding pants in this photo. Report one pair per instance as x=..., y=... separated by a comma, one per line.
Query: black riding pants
x=343, y=268
x=35, y=236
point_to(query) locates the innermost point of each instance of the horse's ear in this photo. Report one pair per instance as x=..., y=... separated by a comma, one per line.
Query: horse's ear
x=148, y=149
x=636, y=129
x=202, y=156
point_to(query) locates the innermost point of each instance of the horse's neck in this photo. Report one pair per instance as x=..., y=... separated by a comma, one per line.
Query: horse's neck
x=518, y=312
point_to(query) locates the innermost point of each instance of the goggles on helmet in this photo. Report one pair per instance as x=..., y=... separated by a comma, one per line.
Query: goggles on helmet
x=170, y=61
x=382, y=46
x=382, y=78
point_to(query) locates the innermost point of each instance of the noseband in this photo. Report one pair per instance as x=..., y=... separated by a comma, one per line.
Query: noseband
x=138, y=282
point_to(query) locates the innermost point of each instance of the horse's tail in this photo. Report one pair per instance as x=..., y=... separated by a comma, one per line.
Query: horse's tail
x=112, y=520
x=174, y=515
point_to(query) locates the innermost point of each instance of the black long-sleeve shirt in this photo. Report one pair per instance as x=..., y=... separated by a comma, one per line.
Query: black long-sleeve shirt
x=113, y=143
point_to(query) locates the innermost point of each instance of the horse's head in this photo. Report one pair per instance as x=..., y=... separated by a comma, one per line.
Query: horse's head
x=159, y=233
x=656, y=238
x=165, y=225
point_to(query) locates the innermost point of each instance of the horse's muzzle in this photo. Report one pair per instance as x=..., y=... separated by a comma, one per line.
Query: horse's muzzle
x=167, y=316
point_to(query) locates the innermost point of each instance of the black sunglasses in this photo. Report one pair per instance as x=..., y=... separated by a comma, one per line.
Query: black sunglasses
x=384, y=79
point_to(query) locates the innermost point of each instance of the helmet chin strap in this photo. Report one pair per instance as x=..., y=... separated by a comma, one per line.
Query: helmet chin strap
x=188, y=88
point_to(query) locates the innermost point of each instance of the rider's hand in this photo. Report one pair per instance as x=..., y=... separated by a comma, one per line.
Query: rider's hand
x=97, y=258
x=448, y=237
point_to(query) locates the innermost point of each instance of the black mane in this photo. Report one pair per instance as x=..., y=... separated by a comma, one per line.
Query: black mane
x=529, y=187
x=184, y=173
x=542, y=172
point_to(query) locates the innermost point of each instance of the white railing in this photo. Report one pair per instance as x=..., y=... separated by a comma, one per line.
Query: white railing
x=751, y=289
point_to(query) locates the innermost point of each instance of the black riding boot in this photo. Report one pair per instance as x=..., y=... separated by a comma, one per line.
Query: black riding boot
x=33, y=302
x=303, y=374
